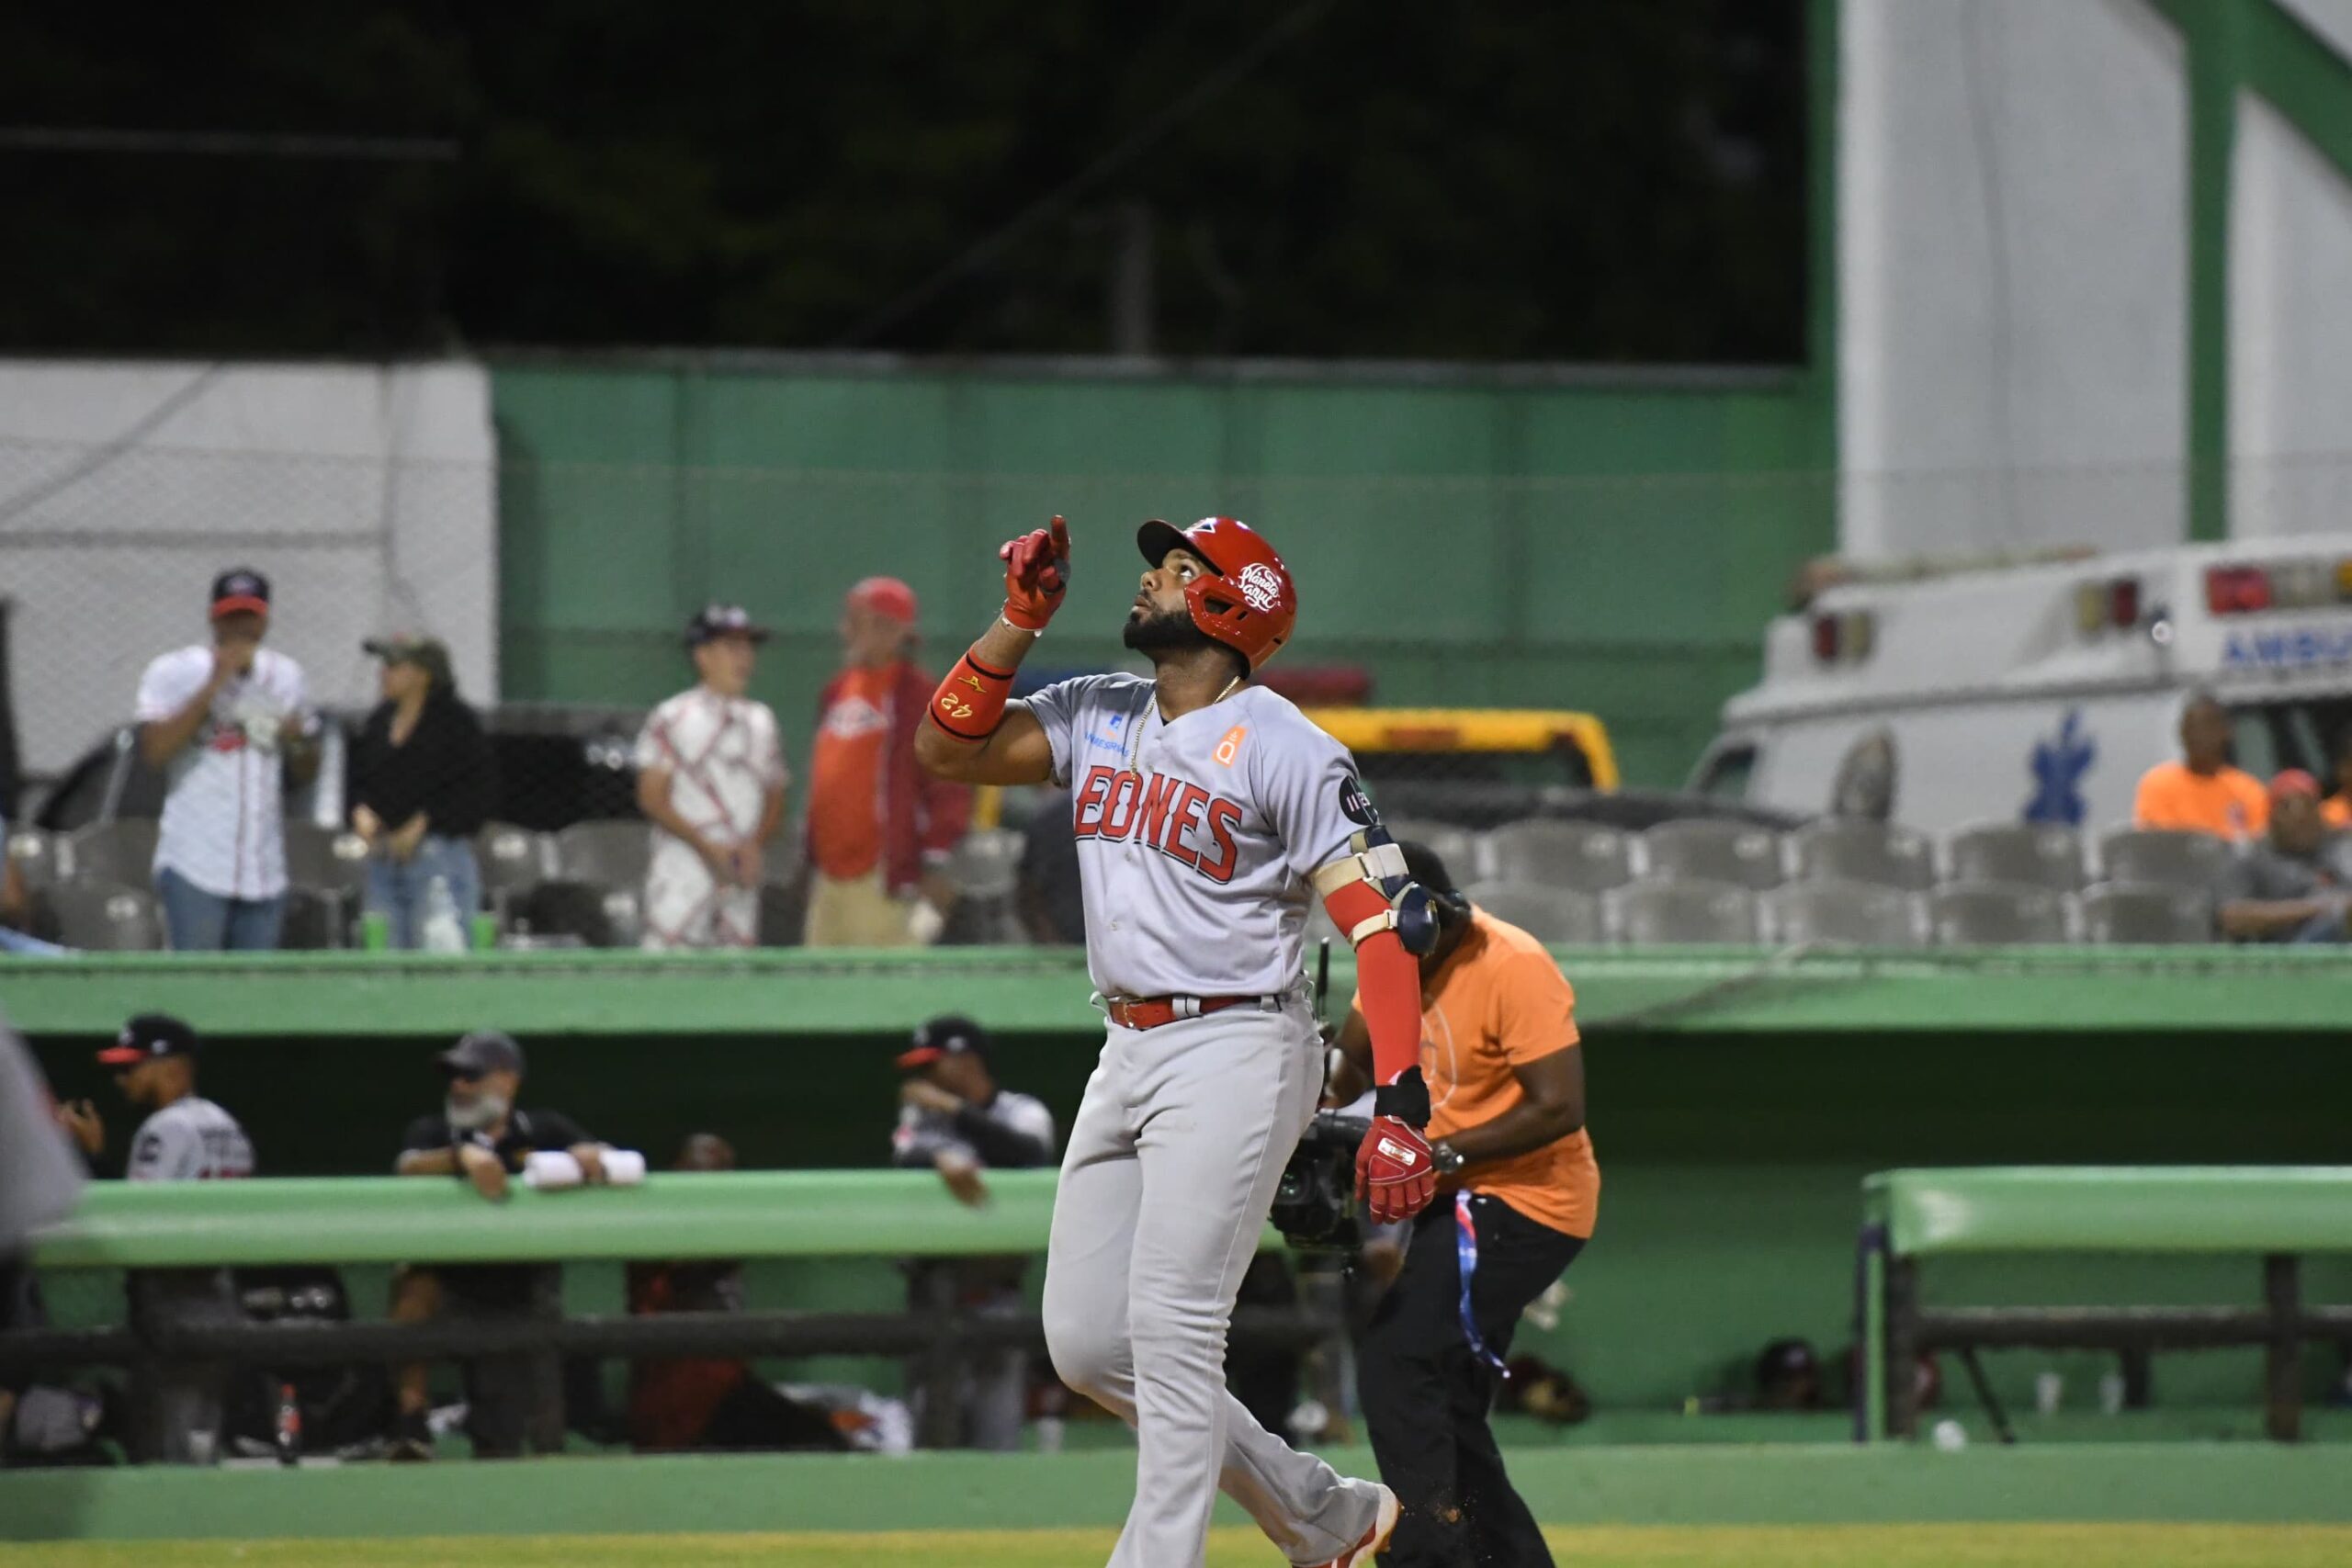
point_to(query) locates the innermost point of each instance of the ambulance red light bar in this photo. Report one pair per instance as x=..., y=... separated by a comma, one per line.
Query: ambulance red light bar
x=1847, y=638
x=2236, y=590
x=2107, y=602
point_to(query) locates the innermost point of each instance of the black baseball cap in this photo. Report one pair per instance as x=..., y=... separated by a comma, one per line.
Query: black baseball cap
x=953, y=1035
x=240, y=588
x=147, y=1037
x=1424, y=866
x=483, y=1051
x=723, y=620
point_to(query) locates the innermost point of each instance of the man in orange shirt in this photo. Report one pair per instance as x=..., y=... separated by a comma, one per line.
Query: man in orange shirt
x=2202, y=793
x=880, y=829
x=1518, y=1190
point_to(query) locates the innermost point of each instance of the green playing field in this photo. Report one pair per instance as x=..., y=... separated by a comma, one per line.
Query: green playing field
x=1771, y=1546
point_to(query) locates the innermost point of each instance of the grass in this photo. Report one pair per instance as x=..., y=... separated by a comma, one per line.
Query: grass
x=1776, y=1546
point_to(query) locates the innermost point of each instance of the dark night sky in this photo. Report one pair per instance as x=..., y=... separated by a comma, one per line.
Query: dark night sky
x=1606, y=180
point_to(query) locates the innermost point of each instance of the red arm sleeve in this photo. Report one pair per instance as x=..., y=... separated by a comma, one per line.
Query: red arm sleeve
x=1387, y=978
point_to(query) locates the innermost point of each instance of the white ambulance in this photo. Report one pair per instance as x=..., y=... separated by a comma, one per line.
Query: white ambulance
x=2042, y=692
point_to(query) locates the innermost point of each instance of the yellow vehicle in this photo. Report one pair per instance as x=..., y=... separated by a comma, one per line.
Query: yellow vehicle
x=1476, y=766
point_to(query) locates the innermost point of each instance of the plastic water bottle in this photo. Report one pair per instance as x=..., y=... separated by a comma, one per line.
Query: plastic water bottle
x=444, y=932
x=289, y=1426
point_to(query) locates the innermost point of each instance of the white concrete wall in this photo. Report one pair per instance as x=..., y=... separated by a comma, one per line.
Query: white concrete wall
x=2291, y=331
x=368, y=494
x=2012, y=276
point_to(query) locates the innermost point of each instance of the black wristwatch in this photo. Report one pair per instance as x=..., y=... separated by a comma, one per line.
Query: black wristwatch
x=1445, y=1156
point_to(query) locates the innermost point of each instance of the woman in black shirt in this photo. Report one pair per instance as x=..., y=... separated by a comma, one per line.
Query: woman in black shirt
x=421, y=781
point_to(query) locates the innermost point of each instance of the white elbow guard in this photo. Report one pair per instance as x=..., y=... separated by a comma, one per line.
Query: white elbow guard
x=1374, y=857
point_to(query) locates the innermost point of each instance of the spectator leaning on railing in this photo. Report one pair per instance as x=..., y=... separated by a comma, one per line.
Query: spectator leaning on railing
x=880, y=829
x=176, y=1405
x=2202, y=793
x=422, y=782
x=2295, y=885
x=481, y=1137
x=956, y=1119
x=229, y=722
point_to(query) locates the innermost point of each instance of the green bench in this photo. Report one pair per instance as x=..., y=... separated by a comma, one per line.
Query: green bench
x=2274, y=1212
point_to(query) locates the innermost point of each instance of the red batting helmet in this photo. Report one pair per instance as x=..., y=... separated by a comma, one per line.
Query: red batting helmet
x=1250, y=602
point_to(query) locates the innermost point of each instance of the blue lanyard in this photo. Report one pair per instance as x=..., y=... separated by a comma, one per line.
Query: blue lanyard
x=1465, y=1250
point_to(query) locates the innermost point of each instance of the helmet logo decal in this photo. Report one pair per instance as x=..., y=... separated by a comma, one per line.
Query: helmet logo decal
x=1259, y=586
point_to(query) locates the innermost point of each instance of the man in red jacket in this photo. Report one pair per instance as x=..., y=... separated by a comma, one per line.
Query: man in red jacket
x=880, y=829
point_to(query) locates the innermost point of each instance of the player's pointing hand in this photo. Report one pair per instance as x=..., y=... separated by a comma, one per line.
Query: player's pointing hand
x=1036, y=575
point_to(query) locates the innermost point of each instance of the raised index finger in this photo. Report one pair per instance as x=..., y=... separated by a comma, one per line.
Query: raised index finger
x=1061, y=539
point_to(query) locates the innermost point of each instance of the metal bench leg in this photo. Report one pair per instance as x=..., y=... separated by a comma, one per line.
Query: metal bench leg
x=1902, y=1347
x=2283, y=1358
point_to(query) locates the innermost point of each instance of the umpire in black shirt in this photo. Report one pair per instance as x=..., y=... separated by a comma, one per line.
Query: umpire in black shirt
x=422, y=784
x=482, y=1137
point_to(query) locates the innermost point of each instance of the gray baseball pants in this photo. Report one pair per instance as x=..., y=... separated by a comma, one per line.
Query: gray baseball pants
x=1171, y=1169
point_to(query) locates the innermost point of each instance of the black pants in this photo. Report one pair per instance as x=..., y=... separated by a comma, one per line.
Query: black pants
x=1426, y=1392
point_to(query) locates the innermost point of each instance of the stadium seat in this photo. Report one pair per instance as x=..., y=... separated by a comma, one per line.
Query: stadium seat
x=1587, y=857
x=102, y=917
x=1705, y=850
x=1996, y=914
x=2039, y=855
x=1457, y=847
x=1651, y=912
x=326, y=859
x=562, y=908
x=514, y=860
x=315, y=920
x=1877, y=853
x=986, y=863
x=121, y=851
x=35, y=855
x=1548, y=914
x=613, y=853
x=1844, y=914
x=2195, y=861
x=2141, y=912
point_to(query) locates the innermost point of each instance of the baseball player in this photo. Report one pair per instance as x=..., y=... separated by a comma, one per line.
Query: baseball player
x=1207, y=812
x=711, y=776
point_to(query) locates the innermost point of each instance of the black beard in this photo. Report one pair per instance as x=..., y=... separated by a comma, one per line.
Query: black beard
x=1169, y=631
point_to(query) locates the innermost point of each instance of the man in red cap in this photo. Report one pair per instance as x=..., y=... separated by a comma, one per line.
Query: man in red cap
x=2295, y=884
x=880, y=829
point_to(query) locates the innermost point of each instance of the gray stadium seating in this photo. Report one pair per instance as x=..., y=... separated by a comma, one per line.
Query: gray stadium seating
x=121, y=852
x=1703, y=849
x=1588, y=857
x=599, y=915
x=325, y=859
x=2194, y=860
x=1844, y=914
x=1996, y=914
x=2041, y=856
x=514, y=860
x=1548, y=914
x=1655, y=911
x=316, y=920
x=1457, y=847
x=609, y=854
x=1877, y=853
x=986, y=863
x=2139, y=912
x=104, y=917
x=34, y=854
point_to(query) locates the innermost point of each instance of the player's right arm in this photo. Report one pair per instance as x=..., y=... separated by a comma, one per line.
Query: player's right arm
x=170, y=712
x=973, y=731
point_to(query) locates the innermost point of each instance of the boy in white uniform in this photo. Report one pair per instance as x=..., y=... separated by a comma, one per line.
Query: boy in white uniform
x=711, y=778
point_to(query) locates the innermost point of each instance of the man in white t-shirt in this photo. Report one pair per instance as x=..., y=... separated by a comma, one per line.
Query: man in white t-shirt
x=229, y=723
x=711, y=777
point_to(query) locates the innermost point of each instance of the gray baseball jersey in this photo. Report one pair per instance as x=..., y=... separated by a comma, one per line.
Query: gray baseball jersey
x=190, y=1140
x=1195, y=838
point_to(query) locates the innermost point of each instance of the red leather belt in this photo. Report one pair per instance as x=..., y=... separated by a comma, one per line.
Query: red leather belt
x=1150, y=1012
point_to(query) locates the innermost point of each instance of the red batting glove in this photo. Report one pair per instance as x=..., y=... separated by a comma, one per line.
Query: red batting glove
x=1036, y=572
x=1394, y=1171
